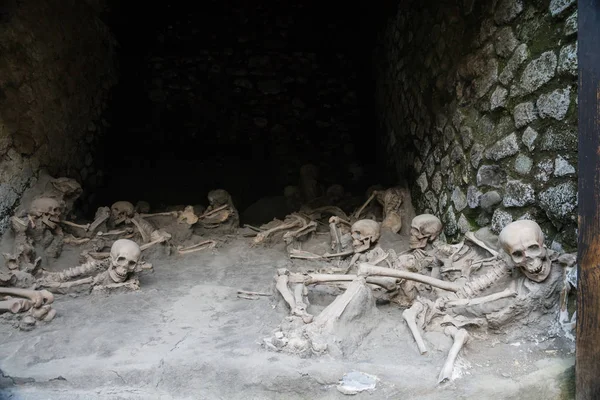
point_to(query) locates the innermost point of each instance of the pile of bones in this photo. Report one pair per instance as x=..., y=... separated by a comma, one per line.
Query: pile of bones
x=453, y=288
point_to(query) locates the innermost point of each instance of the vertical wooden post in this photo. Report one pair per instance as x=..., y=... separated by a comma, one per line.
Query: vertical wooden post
x=587, y=366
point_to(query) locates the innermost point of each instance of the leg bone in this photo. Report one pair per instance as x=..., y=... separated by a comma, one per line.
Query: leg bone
x=410, y=316
x=38, y=297
x=461, y=336
x=367, y=269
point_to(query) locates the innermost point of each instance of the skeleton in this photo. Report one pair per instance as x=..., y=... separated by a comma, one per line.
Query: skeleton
x=221, y=214
x=119, y=270
x=362, y=236
x=391, y=201
x=296, y=226
x=66, y=191
x=531, y=296
x=425, y=228
x=28, y=306
x=35, y=230
x=368, y=210
x=186, y=215
x=306, y=335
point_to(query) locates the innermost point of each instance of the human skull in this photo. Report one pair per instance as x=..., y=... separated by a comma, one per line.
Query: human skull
x=424, y=228
x=523, y=241
x=121, y=211
x=365, y=232
x=218, y=198
x=124, y=257
x=46, y=208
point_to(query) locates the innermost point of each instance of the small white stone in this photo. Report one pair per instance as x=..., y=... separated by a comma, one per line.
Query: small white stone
x=554, y=104
x=524, y=113
x=558, y=6
x=529, y=138
x=422, y=182
x=567, y=60
x=571, y=24
x=562, y=167
x=523, y=164
x=498, y=98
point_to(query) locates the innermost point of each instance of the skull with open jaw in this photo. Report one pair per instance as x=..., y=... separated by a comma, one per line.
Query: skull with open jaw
x=523, y=241
x=120, y=212
x=365, y=233
x=46, y=209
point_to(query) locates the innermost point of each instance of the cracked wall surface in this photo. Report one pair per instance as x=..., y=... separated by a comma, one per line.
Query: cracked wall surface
x=56, y=72
x=478, y=105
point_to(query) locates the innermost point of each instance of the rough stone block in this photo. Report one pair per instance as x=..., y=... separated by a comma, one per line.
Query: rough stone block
x=489, y=200
x=450, y=224
x=529, y=138
x=524, y=113
x=459, y=199
x=519, y=56
x=560, y=202
x=536, y=74
x=518, y=194
x=507, y=10
x=562, y=167
x=473, y=196
x=554, y=104
x=557, y=138
x=558, y=6
x=498, y=98
x=567, y=60
x=503, y=148
x=505, y=42
x=500, y=219
x=491, y=175
x=571, y=24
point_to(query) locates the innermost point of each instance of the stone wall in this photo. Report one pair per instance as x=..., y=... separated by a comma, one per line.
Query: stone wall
x=479, y=107
x=56, y=70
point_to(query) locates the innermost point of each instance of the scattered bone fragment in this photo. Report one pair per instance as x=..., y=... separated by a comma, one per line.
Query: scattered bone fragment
x=204, y=245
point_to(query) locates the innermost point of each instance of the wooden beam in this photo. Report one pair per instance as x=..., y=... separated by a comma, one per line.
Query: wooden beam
x=587, y=365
